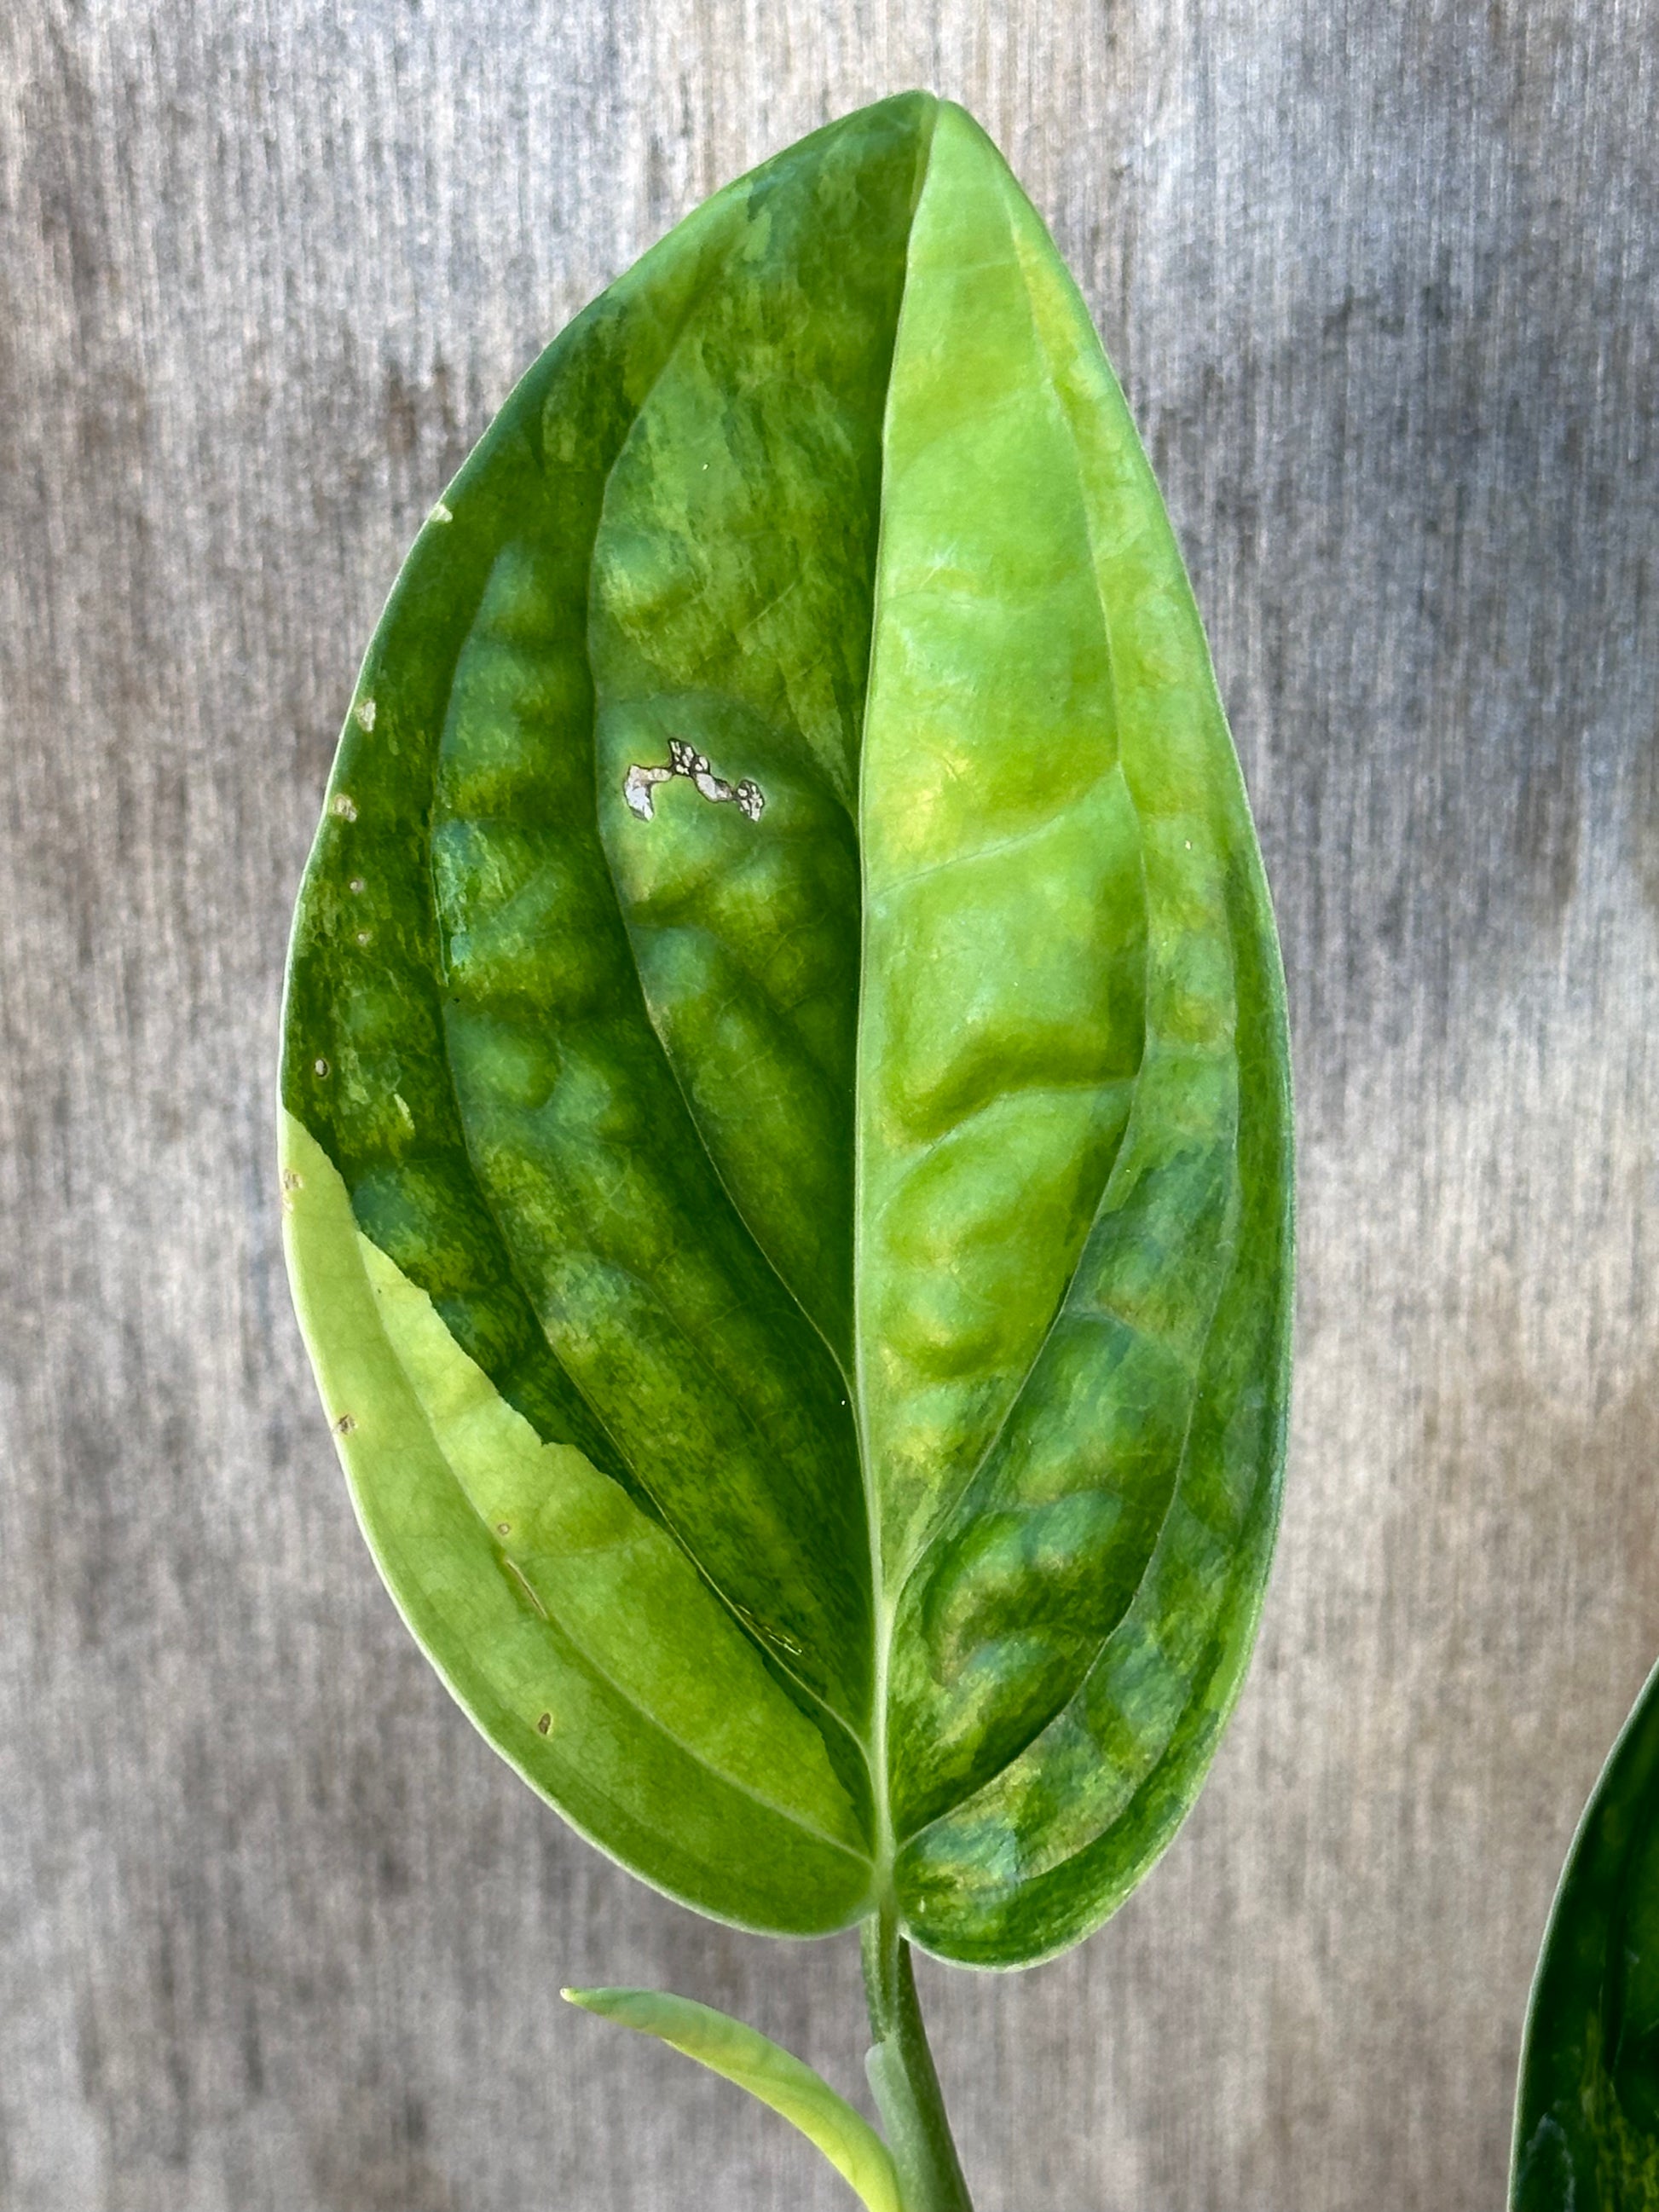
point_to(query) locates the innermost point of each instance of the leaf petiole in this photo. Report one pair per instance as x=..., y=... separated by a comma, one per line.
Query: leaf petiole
x=903, y=2077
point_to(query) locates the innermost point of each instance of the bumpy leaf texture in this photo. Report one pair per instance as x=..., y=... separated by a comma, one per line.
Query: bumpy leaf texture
x=1587, y=2114
x=788, y=1134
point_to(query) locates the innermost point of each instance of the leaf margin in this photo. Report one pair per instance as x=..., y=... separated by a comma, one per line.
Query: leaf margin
x=1632, y=1765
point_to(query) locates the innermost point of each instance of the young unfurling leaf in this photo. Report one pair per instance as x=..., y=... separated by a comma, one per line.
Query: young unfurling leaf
x=726, y=2046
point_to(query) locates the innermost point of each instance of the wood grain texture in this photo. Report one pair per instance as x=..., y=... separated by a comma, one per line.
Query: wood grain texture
x=277, y=1929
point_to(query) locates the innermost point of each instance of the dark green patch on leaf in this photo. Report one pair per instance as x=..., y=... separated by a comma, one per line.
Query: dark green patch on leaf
x=1587, y=2114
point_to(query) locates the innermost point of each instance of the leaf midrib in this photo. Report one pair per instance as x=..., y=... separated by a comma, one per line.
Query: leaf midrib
x=881, y=1612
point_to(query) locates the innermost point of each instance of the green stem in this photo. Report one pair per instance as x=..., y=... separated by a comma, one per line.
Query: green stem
x=901, y=2074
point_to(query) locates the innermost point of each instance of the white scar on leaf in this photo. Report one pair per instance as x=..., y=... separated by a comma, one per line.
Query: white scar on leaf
x=639, y=783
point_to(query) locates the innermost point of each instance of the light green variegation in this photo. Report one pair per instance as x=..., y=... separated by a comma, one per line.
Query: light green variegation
x=788, y=1136
x=1587, y=2113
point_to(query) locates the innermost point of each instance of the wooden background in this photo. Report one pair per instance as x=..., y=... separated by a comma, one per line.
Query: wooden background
x=278, y=1932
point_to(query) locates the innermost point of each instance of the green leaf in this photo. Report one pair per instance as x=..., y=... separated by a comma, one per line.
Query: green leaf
x=1587, y=2113
x=755, y=2062
x=787, y=1128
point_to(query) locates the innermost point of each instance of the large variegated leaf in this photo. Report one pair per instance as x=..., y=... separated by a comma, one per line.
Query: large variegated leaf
x=788, y=1127
x=1587, y=2114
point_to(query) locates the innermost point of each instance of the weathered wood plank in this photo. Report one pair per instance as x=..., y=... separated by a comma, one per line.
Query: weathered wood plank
x=278, y=1932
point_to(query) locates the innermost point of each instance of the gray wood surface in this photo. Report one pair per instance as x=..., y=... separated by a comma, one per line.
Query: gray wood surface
x=278, y=1933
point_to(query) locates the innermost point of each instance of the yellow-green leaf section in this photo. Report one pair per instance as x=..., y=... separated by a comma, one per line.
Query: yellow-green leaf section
x=568, y=1624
